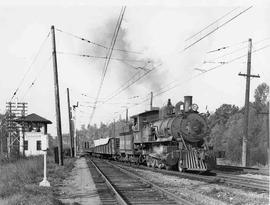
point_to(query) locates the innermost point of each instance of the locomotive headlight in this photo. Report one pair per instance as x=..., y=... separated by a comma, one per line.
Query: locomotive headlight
x=195, y=107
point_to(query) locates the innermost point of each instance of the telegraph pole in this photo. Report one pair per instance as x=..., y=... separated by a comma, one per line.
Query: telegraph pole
x=268, y=131
x=57, y=100
x=114, y=128
x=23, y=129
x=9, y=128
x=70, y=125
x=126, y=115
x=246, y=116
x=74, y=125
x=151, y=100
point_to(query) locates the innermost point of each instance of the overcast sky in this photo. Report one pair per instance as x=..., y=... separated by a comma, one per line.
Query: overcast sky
x=155, y=29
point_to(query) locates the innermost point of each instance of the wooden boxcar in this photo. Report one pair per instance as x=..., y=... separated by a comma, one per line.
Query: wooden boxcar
x=106, y=146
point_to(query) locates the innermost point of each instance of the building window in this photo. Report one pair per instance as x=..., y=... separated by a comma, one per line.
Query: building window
x=38, y=144
x=25, y=144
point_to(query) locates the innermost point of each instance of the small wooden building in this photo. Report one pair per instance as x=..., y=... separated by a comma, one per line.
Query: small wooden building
x=35, y=134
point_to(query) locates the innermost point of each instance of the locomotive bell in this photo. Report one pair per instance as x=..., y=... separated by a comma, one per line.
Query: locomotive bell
x=187, y=103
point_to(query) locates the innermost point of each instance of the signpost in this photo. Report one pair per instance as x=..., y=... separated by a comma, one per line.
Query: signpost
x=45, y=182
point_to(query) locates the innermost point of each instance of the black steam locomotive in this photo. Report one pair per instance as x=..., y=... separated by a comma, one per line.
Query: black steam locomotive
x=171, y=137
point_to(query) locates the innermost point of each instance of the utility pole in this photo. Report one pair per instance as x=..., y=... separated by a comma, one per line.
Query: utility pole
x=74, y=125
x=246, y=116
x=23, y=128
x=268, y=131
x=9, y=128
x=126, y=115
x=114, y=128
x=57, y=100
x=70, y=125
x=151, y=100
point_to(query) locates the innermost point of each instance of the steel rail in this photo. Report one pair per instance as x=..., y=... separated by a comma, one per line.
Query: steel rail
x=232, y=180
x=118, y=196
x=177, y=199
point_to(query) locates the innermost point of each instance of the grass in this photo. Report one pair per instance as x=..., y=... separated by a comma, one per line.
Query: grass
x=19, y=181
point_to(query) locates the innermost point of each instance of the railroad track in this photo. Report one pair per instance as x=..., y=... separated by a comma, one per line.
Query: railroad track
x=248, y=182
x=231, y=180
x=128, y=188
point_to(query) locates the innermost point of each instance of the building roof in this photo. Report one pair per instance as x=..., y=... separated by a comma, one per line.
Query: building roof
x=148, y=112
x=34, y=118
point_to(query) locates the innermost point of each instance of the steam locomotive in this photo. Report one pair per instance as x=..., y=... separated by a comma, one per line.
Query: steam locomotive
x=171, y=137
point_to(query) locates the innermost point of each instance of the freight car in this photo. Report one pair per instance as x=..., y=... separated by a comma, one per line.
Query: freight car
x=171, y=137
x=105, y=147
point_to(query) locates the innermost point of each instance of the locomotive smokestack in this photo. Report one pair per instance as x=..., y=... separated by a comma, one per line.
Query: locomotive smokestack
x=187, y=103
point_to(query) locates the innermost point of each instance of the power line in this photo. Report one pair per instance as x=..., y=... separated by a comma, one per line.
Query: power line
x=226, y=47
x=179, y=84
x=138, y=67
x=94, y=43
x=30, y=66
x=39, y=72
x=218, y=27
x=98, y=57
x=118, y=25
x=213, y=68
x=130, y=83
x=211, y=24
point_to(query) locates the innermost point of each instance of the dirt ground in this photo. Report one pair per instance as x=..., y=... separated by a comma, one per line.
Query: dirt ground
x=79, y=187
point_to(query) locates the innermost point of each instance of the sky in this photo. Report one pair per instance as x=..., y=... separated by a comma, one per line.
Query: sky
x=153, y=32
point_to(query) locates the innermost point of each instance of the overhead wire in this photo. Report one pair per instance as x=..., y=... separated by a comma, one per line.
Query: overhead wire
x=239, y=49
x=98, y=57
x=162, y=91
x=131, y=83
x=218, y=27
x=213, y=68
x=35, y=79
x=95, y=43
x=30, y=66
x=211, y=24
x=107, y=61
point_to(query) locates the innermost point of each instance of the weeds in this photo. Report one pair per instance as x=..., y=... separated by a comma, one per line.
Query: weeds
x=19, y=181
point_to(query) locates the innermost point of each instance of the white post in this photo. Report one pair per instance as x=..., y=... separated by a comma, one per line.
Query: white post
x=45, y=182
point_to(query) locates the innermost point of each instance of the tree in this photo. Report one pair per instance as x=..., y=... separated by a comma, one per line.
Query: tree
x=222, y=114
x=260, y=95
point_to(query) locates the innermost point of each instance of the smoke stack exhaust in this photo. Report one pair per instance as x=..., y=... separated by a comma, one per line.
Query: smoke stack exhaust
x=187, y=103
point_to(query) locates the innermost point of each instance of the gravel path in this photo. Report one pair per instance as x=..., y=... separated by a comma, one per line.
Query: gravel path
x=79, y=187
